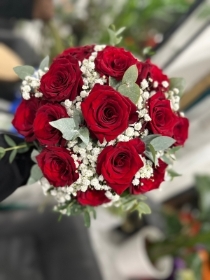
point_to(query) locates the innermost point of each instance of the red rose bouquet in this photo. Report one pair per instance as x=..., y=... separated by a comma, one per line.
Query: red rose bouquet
x=105, y=124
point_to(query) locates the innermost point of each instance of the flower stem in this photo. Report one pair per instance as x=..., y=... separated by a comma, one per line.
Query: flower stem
x=16, y=147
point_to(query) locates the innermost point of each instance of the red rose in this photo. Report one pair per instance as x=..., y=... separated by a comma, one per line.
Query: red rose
x=44, y=132
x=92, y=197
x=118, y=164
x=163, y=118
x=181, y=131
x=24, y=117
x=152, y=183
x=63, y=80
x=79, y=53
x=113, y=61
x=57, y=166
x=148, y=70
x=107, y=112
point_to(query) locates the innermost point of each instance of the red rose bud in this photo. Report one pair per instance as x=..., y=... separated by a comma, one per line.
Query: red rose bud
x=107, y=113
x=44, y=132
x=113, y=61
x=152, y=183
x=163, y=119
x=57, y=166
x=63, y=80
x=181, y=131
x=92, y=197
x=24, y=117
x=119, y=164
x=80, y=53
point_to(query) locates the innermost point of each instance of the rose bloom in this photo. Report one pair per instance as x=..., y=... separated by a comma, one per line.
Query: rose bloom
x=92, y=197
x=163, y=118
x=113, y=61
x=24, y=117
x=119, y=164
x=152, y=183
x=44, y=132
x=63, y=80
x=181, y=131
x=149, y=70
x=57, y=166
x=107, y=112
x=79, y=53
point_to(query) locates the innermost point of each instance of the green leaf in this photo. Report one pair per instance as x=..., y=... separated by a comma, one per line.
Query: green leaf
x=173, y=173
x=162, y=143
x=23, y=71
x=36, y=174
x=131, y=74
x=67, y=127
x=202, y=185
x=132, y=91
x=174, y=149
x=149, y=155
x=178, y=83
x=148, y=51
x=112, y=37
x=12, y=156
x=147, y=139
x=23, y=150
x=2, y=152
x=86, y=218
x=9, y=141
x=114, y=83
x=153, y=152
x=34, y=154
x=120, y=31
x=44, y=63
x=143, y=208
x=78, y=118
x=84, y=135
x=167, y=159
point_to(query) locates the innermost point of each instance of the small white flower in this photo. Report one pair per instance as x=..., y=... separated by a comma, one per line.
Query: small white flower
x=129, y=132
x=165, y=84
x=155, y=84
x=144, y=84
x=135, y=182
x=138, y=126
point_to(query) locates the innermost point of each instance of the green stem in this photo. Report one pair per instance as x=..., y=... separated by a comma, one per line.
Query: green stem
x=171, y=246
x=16, y=147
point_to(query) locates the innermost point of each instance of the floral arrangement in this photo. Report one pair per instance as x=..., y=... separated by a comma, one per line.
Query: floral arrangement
x=105, y=126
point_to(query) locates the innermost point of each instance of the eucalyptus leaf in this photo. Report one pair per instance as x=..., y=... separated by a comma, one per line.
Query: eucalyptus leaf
x=84, y=135
x=173, y=173
x=162, y=143
x=147, y=139
x=132, y=91
x=153, y=152
x=178, y=83
x=112, y=37
x=23, y=150
x=67, y=127
x=9, y=141
x=120, y=31
x=149, y=155
x=114, y=83
x=143, y=208
x=12, y=156
x=34, y=154
x=86, y=218
x=78, y=118
x=167, y=159
x=131, y=74
x=36, y=174
x=2, y=152
x=174, y=149
x=23, y=71
x=44, y=63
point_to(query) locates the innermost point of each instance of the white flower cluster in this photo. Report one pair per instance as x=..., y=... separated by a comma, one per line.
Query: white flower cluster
x=173, y=96
x=30, y=85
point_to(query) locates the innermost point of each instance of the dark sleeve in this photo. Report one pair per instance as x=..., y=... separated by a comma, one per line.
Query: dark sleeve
x=16, y=174
x=16, y=8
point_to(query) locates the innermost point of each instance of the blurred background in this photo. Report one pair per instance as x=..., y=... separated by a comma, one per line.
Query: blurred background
x=32, y=244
